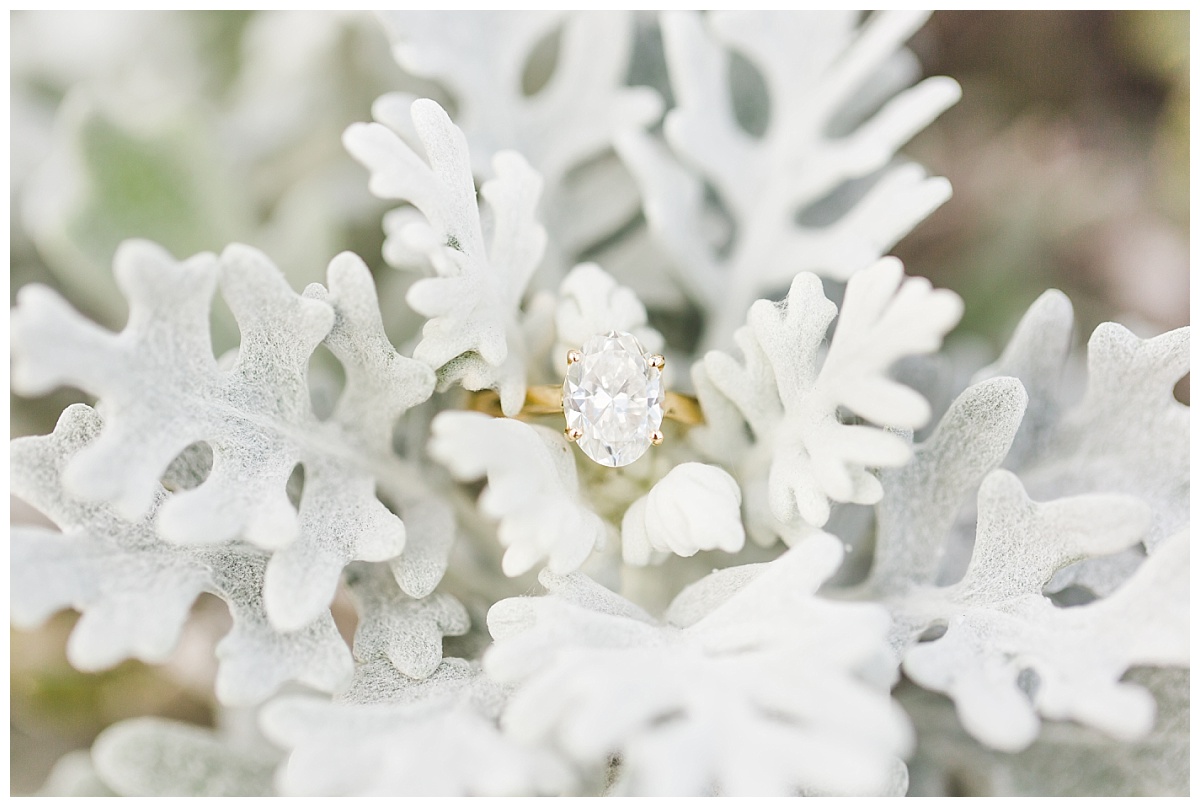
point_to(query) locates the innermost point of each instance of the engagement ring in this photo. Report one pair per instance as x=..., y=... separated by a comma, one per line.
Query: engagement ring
x=613, y=399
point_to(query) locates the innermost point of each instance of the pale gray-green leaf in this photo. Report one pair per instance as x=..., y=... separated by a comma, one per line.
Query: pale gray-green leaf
x=562, y=129
x=162, y=391
x=533, y=488
x=1066, y=760
x=150, y=756
x=423, y=738
x=802, y=452
x=1001, y=631
x=472, y=304
x=408, y=632
x=815, y=67
x=135, y=590
x=759, y=696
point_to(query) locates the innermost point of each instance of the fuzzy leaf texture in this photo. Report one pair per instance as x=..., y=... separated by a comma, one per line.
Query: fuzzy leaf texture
x=161, y=390
x=410, y=723
x=533, y=488
x=150, y=756
x=1008, y=654
x=1066, y=760
x=433, y=737
x=825, y=76
x=590, y=301
x=757, y=692
x=407, y=632
x=800, y=456
x=474, y=333
x=135, y=590
x=1128, y=434
x=999, y=647
x=922, y=497
x=563, y=129
x=694, y=507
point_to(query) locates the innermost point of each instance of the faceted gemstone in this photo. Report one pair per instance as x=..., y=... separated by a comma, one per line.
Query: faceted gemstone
x=614, y=397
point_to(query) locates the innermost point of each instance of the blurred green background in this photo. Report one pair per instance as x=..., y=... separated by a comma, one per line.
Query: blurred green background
x=1068, y=155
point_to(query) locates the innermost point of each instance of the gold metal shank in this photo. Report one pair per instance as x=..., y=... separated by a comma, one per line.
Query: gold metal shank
x=682, y=408
x=546, y=399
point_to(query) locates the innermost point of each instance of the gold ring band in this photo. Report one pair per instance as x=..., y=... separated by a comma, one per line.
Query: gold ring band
x=612, y=399
x=547, y=399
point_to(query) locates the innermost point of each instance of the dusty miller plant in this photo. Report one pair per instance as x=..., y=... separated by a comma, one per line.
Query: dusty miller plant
x=796, y=597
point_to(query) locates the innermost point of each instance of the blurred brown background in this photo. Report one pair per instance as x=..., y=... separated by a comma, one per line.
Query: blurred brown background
x=1069, y=159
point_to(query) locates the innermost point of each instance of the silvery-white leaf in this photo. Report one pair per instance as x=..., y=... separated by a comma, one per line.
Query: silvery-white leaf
x=759, y=696
x=407, y=632
x=816, y=67
x=380, y=386
x=563, y=128
x=1065, y=760
x=1127, y=435
x=1036, y=354
x=150, y=756
x=73, y=775
x=922, y=497
x=135, y=590
x=533, y=489
x=430, y=529
x=590, y=302
x=1008, y=654
x=802, y=452
x=433, y=737
x=940, y=377
x=161, y=391
x=708, y=593
x=694, y=507
x=993, y=641
x=473, y=302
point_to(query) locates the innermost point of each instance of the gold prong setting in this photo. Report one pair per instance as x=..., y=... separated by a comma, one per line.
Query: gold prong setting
x=612, y=398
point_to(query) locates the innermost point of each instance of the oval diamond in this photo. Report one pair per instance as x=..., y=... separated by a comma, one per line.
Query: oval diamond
x=614, y=396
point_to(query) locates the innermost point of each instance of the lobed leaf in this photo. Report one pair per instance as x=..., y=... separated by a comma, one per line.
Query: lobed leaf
x=474, y=332
x=150, y=756
x=563, y=125
x=795, y=404
x=135, y=590
x=433, y=737
x=407, y=632
x=760, y=695
x=694, y=507
x=532, y=488
x=823, y=74
x=1003, y=633
x=162, y=391
x=1127, y=435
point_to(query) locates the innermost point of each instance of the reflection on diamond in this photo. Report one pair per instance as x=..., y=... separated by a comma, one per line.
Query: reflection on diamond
x=614, y=397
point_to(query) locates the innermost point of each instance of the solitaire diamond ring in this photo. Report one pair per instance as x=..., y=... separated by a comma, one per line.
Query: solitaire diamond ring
x=613, y=399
